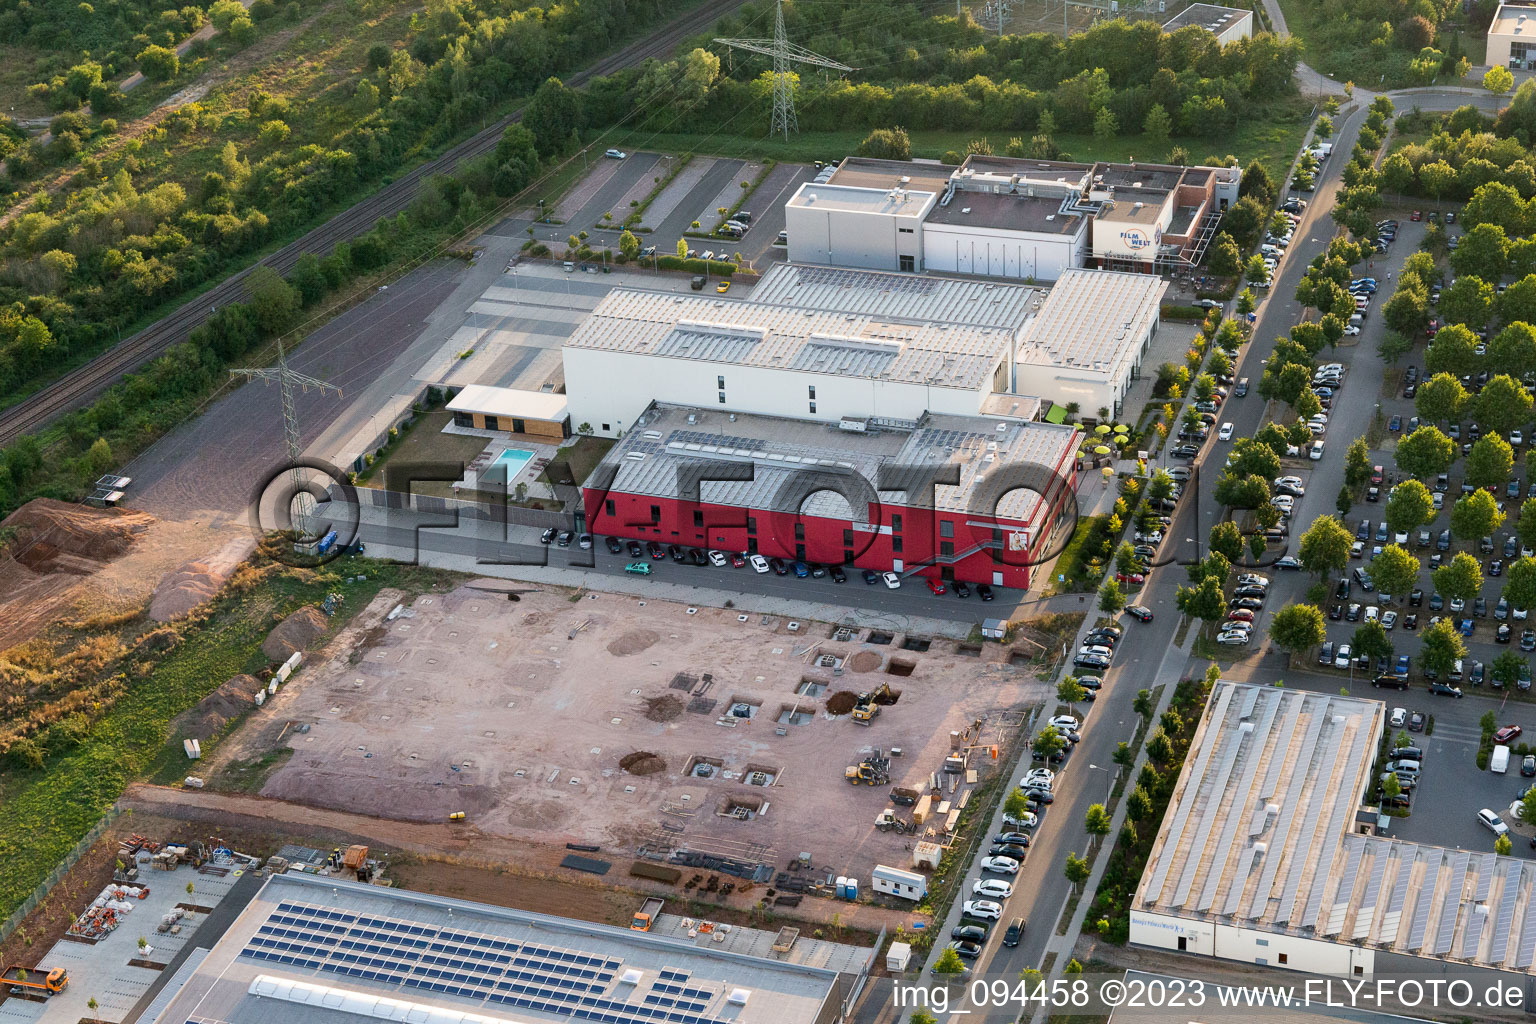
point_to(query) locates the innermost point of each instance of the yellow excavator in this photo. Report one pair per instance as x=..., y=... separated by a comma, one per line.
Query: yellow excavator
x=868, y=705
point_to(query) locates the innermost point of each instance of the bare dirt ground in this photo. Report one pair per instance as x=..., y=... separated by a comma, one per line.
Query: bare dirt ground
x=69, y=561
x=520, y=713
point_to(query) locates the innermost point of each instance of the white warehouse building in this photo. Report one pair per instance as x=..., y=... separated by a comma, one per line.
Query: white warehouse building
x=1006, y=217
x=1266, y=854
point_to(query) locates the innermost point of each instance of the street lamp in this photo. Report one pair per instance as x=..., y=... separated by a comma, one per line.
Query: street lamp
x=1109, y=789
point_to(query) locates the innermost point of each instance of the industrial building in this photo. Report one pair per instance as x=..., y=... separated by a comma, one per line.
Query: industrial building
x=949, y=497
x=1512, y=36
x=1262, y=857
x=831, y=344
x=824, y=353
x=310, y=950
x=1227, y=24
x=1009, y=217
x=1086, y=343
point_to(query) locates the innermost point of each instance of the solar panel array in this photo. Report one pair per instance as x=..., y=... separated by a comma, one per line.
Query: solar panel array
x=1506, y=916
x=455, y=962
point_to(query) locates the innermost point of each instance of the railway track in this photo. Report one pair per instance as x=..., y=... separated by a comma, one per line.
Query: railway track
x=78, y=387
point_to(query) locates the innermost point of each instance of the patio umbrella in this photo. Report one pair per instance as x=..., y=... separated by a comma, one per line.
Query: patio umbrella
x=1101, y=429
x=1121, y=428
x=1102, y=449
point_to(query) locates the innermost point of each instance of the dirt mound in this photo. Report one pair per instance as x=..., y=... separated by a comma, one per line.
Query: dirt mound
x=197, y=581
x=51, y=534
x=214, y=711
x=865, y=661
x=295, y=633
x=642, y=762
x=633, y=642
x=664, y=708
x=841, y=702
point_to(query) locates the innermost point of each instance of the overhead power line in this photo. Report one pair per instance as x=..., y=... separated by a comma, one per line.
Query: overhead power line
x=783, y=53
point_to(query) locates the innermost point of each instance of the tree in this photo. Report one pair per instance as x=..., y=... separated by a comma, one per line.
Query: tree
x=1490, y=461
x=1483, y=252
x=158, y=63
x=1475, y=515
x=1407, y=311
x=1506, y=669
x=1212, y=567
x=682, y=248
x=274, y=302
x=1325, y=546
x=1516, y=304
x=1525, y=528
x=1049, y=742
x=1461, y=577
x=1503, y=405
x=1437, y=178
x=1440, y=399
x=1520, y=586
x=224, y=12
x=1204, y=601
x=1251, y=457
x=1468, y=301
x=1227, y=539
x=1513, y=350
x=1498, y=80
x=1371, y=640
x=1357, y=463
x=1394, y=571
x=1225, y=258
x=1256, y=270
x=1441, y=648
x=1125, y=558
x=1138, y=805
x=1241, y=491
x=629, y=245
x=1015, y=804
x=1344, y=502
x=552, y=115
x=1105, y=125
x=1111, y=599
x=1409, y=506
x=1157, y=126
x=1160, y=486
x=1425, y=453
x=1390, y=788
x=1097, y=820
x=1070, y=691
x=99, y=457
x=1298, y=627
x=887, y=144
x=949, y=962
x=1502, y=846
x=1076, y=870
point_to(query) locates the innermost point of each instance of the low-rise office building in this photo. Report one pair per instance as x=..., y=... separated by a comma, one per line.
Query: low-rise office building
x=1512, y=36
x=1227, y=24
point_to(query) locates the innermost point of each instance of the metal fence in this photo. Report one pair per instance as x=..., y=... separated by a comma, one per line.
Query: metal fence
x=41, y=892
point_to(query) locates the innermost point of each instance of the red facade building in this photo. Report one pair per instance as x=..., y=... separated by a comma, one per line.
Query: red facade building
x=968, y=498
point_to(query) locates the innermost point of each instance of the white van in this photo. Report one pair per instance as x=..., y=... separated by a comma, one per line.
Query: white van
x=1499, y=762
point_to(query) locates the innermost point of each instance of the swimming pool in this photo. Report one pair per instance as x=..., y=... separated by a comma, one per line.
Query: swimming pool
x=514, y=459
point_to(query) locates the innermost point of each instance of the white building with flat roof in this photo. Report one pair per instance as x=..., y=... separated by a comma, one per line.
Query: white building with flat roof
x=1512, y=36
x=822, y=344
x=850, y=226
x=1259, y=858
x=1087, y=341
x=1227, y=24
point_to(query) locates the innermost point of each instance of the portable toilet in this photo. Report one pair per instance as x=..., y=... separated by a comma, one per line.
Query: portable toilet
x=853, y=888
x=842, y=887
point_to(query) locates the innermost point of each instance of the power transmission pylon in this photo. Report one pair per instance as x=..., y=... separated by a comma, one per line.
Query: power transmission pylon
x=783, y=53
x=301, y=502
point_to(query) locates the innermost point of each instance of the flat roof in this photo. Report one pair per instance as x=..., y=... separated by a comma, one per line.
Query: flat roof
x=1211, y=16
x=897, y=465
x=1259, y=835
x=1093, y=321
x=1506, y=20
x=494, y=401
x=311, y=950
x=1269, y=788
x=746, y=332
x=892, y=202
x=909, y=296
x=1039, y=214
x=868, y=172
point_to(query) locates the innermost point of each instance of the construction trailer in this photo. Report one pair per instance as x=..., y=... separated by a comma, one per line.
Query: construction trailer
x=909, y=885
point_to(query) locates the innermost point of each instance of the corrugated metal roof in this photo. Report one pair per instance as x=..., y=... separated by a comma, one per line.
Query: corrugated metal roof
x=916, y=297
x=780, y=461
x=1093, y=321
x=753, y=333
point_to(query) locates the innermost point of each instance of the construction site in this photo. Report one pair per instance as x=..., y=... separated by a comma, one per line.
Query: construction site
x=707, y=741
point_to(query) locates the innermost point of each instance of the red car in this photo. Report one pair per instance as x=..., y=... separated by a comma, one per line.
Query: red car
x=1415, y=215
x=937, y=586
x=738, y=560
x=1376, y=475
x=1130, y=577
x=1241, y=615
x=1507, y=733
